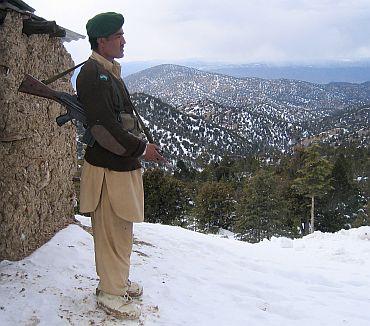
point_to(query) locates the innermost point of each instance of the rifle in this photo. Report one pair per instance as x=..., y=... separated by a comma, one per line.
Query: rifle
x=75, y=111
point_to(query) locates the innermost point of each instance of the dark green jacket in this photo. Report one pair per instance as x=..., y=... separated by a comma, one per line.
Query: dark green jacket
x=97, y=90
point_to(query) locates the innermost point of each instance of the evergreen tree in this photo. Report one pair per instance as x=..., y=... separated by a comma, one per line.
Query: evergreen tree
x=214, y=206
x=224, y=170
x=340, y=206
x=298, y=209
x=363, y=217
x=183, y=172
x=166, y=198
x=313, y=178
x=262, y=210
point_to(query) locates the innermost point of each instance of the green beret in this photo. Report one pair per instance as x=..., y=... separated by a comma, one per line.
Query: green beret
x=105, y=24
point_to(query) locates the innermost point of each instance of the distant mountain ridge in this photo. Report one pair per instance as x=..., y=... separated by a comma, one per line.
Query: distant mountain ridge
x=320, y=73
x=178, y=85
x=196, y=115
x=313, y=74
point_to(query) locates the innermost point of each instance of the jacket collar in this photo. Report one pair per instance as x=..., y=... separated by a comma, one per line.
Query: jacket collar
x=113, y=67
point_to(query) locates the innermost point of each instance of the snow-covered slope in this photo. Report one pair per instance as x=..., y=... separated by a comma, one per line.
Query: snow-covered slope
x=196, y=279
x=178, y=85
x=186, y=136
x=266, y=114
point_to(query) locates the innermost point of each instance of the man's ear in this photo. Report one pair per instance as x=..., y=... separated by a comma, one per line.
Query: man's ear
x=100, y=41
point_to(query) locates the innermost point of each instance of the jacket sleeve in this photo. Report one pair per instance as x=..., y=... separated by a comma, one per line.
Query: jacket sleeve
x=95, y=92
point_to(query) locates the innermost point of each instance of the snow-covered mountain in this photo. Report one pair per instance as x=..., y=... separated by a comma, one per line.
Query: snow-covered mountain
x=198, y=116
x=198, y=128
x=178, y=85
x=341, y=127
x=265, y=114
x=192, y=279
x=352, y=72
x=188, y=136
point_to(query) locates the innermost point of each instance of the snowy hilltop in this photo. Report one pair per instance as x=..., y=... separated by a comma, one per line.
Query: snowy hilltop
x=195, y=279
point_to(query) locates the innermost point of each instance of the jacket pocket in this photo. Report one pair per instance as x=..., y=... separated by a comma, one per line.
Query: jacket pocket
x=128, y=122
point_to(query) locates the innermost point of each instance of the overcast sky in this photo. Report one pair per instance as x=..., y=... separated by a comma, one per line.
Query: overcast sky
x=233, y=31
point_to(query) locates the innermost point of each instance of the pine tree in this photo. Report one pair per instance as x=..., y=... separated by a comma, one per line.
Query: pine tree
x=214, y=206
x=262, y=211
x=183, y=172
x=166, y=198
x=313, y=178
x=340, y=207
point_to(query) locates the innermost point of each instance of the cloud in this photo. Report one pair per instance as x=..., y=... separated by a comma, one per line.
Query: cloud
x=231, y=31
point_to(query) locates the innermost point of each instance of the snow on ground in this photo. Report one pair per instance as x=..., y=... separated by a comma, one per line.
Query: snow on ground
x=195, y=279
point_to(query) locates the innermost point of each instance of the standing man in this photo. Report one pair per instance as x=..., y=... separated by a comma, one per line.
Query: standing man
x=111, y=181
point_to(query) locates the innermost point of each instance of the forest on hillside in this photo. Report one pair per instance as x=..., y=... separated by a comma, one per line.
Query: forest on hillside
x=322, y=188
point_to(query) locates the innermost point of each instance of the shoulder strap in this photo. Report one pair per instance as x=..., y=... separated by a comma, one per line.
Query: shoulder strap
x=56, y=77
x=141, y=122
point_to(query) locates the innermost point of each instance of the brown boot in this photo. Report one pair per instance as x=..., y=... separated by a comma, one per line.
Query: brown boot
x=121, y=307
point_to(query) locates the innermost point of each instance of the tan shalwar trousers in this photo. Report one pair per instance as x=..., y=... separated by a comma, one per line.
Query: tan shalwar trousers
x=115, y=200
x=113, y=246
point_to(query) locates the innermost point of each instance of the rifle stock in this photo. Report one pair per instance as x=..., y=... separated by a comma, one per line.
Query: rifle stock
x=31, y=85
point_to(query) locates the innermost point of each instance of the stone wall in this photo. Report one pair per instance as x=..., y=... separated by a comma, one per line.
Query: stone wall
x=37, y=158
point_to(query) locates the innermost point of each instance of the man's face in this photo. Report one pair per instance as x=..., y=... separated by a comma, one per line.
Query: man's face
x=112, y=46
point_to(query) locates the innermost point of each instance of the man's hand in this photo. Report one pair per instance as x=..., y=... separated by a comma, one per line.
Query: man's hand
x=152, y=154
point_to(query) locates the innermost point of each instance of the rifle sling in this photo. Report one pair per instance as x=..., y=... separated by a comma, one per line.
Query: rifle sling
x=62, y=74
x=136, y=113
x=141, y=122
